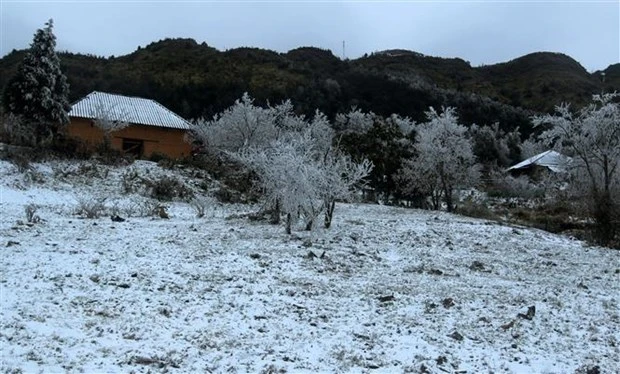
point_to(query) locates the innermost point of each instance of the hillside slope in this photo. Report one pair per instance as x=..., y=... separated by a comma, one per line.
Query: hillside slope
x=541, y=80
x=387, y=289
x=196, y=80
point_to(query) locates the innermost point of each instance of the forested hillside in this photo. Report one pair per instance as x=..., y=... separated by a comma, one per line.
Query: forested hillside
x=197, y=80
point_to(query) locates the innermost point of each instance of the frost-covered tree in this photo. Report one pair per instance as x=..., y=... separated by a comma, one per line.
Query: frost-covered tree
x=109, y=118
x=301, y=173
x=591, y=136
x=354, y=121
x=243, y=125
x=531, y=147
x=405, y=124
x=340, y=177
x=288, y=173
x=300, y=179
x=38, y=93
x=444, y=159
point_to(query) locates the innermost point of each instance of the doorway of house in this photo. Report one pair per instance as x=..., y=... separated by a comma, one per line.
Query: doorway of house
x=134, y=147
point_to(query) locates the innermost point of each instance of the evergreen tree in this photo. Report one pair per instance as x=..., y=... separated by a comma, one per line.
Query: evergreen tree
x=38, y=93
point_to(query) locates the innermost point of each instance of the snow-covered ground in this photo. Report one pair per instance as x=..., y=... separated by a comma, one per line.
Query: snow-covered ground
x=385, y=289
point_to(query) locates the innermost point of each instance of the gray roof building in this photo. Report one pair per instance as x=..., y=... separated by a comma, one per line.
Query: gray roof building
x=134, y=110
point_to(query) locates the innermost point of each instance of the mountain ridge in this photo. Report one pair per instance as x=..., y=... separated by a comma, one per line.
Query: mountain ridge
x=197, y=80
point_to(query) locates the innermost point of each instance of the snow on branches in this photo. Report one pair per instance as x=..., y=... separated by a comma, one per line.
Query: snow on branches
x=355, y=121
x=591, y=136
x=444, y=159
x=241, y=126
x=109, y=118
x=38, y=93
x=301, y=173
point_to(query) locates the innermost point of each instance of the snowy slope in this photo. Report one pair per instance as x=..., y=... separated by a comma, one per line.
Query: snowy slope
x=385, y=290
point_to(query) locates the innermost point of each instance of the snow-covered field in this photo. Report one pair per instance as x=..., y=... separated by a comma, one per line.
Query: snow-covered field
x=386, y=289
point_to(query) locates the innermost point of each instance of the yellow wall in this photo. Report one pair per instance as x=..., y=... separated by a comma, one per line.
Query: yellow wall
x=169, y=142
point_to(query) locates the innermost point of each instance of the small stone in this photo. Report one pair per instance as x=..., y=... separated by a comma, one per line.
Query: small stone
x=385, y=299
x=448, y=303
x=531, y=311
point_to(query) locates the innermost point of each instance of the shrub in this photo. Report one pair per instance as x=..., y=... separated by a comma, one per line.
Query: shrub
x=113, y=157
x=21, y=162
x=553, y=217
x=201, y=204
x=477, y=210
x=90, y=207
x=129, y=181
x=137, y=208
x=16, y=131
x=31, y=213
x=168, y=188
x=507, y=186
x=71, y=148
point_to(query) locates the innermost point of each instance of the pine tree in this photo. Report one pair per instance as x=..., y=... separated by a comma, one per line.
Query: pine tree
x=38, y=93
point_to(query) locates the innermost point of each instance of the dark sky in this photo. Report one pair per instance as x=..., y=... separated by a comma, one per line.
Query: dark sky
x=482, y=31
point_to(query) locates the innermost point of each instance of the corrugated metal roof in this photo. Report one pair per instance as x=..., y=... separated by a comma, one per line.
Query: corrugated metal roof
x=134, y=110
x=551, y=159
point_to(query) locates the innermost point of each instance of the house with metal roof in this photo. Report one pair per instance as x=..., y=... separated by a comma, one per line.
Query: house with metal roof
x=551, y=160
x=538, y=167
x=149, y=127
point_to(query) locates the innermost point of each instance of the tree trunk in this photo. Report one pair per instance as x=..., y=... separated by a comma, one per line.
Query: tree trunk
x=447, y=190
x=107, y=142
x=435, y=199
x=289, y=223
x=329, y=213
x=603, y=216
x=275, y=214
x=449, y=202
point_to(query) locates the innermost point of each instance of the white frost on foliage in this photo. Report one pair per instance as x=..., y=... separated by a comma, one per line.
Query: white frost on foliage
x=591, y=137
x=39, y=91
x=301, y=173
x=444, y=158
x=109, y=117
x=355, y=121
x=405, y=124
x=240, y=126
x=300, y=170
x=288, y=172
